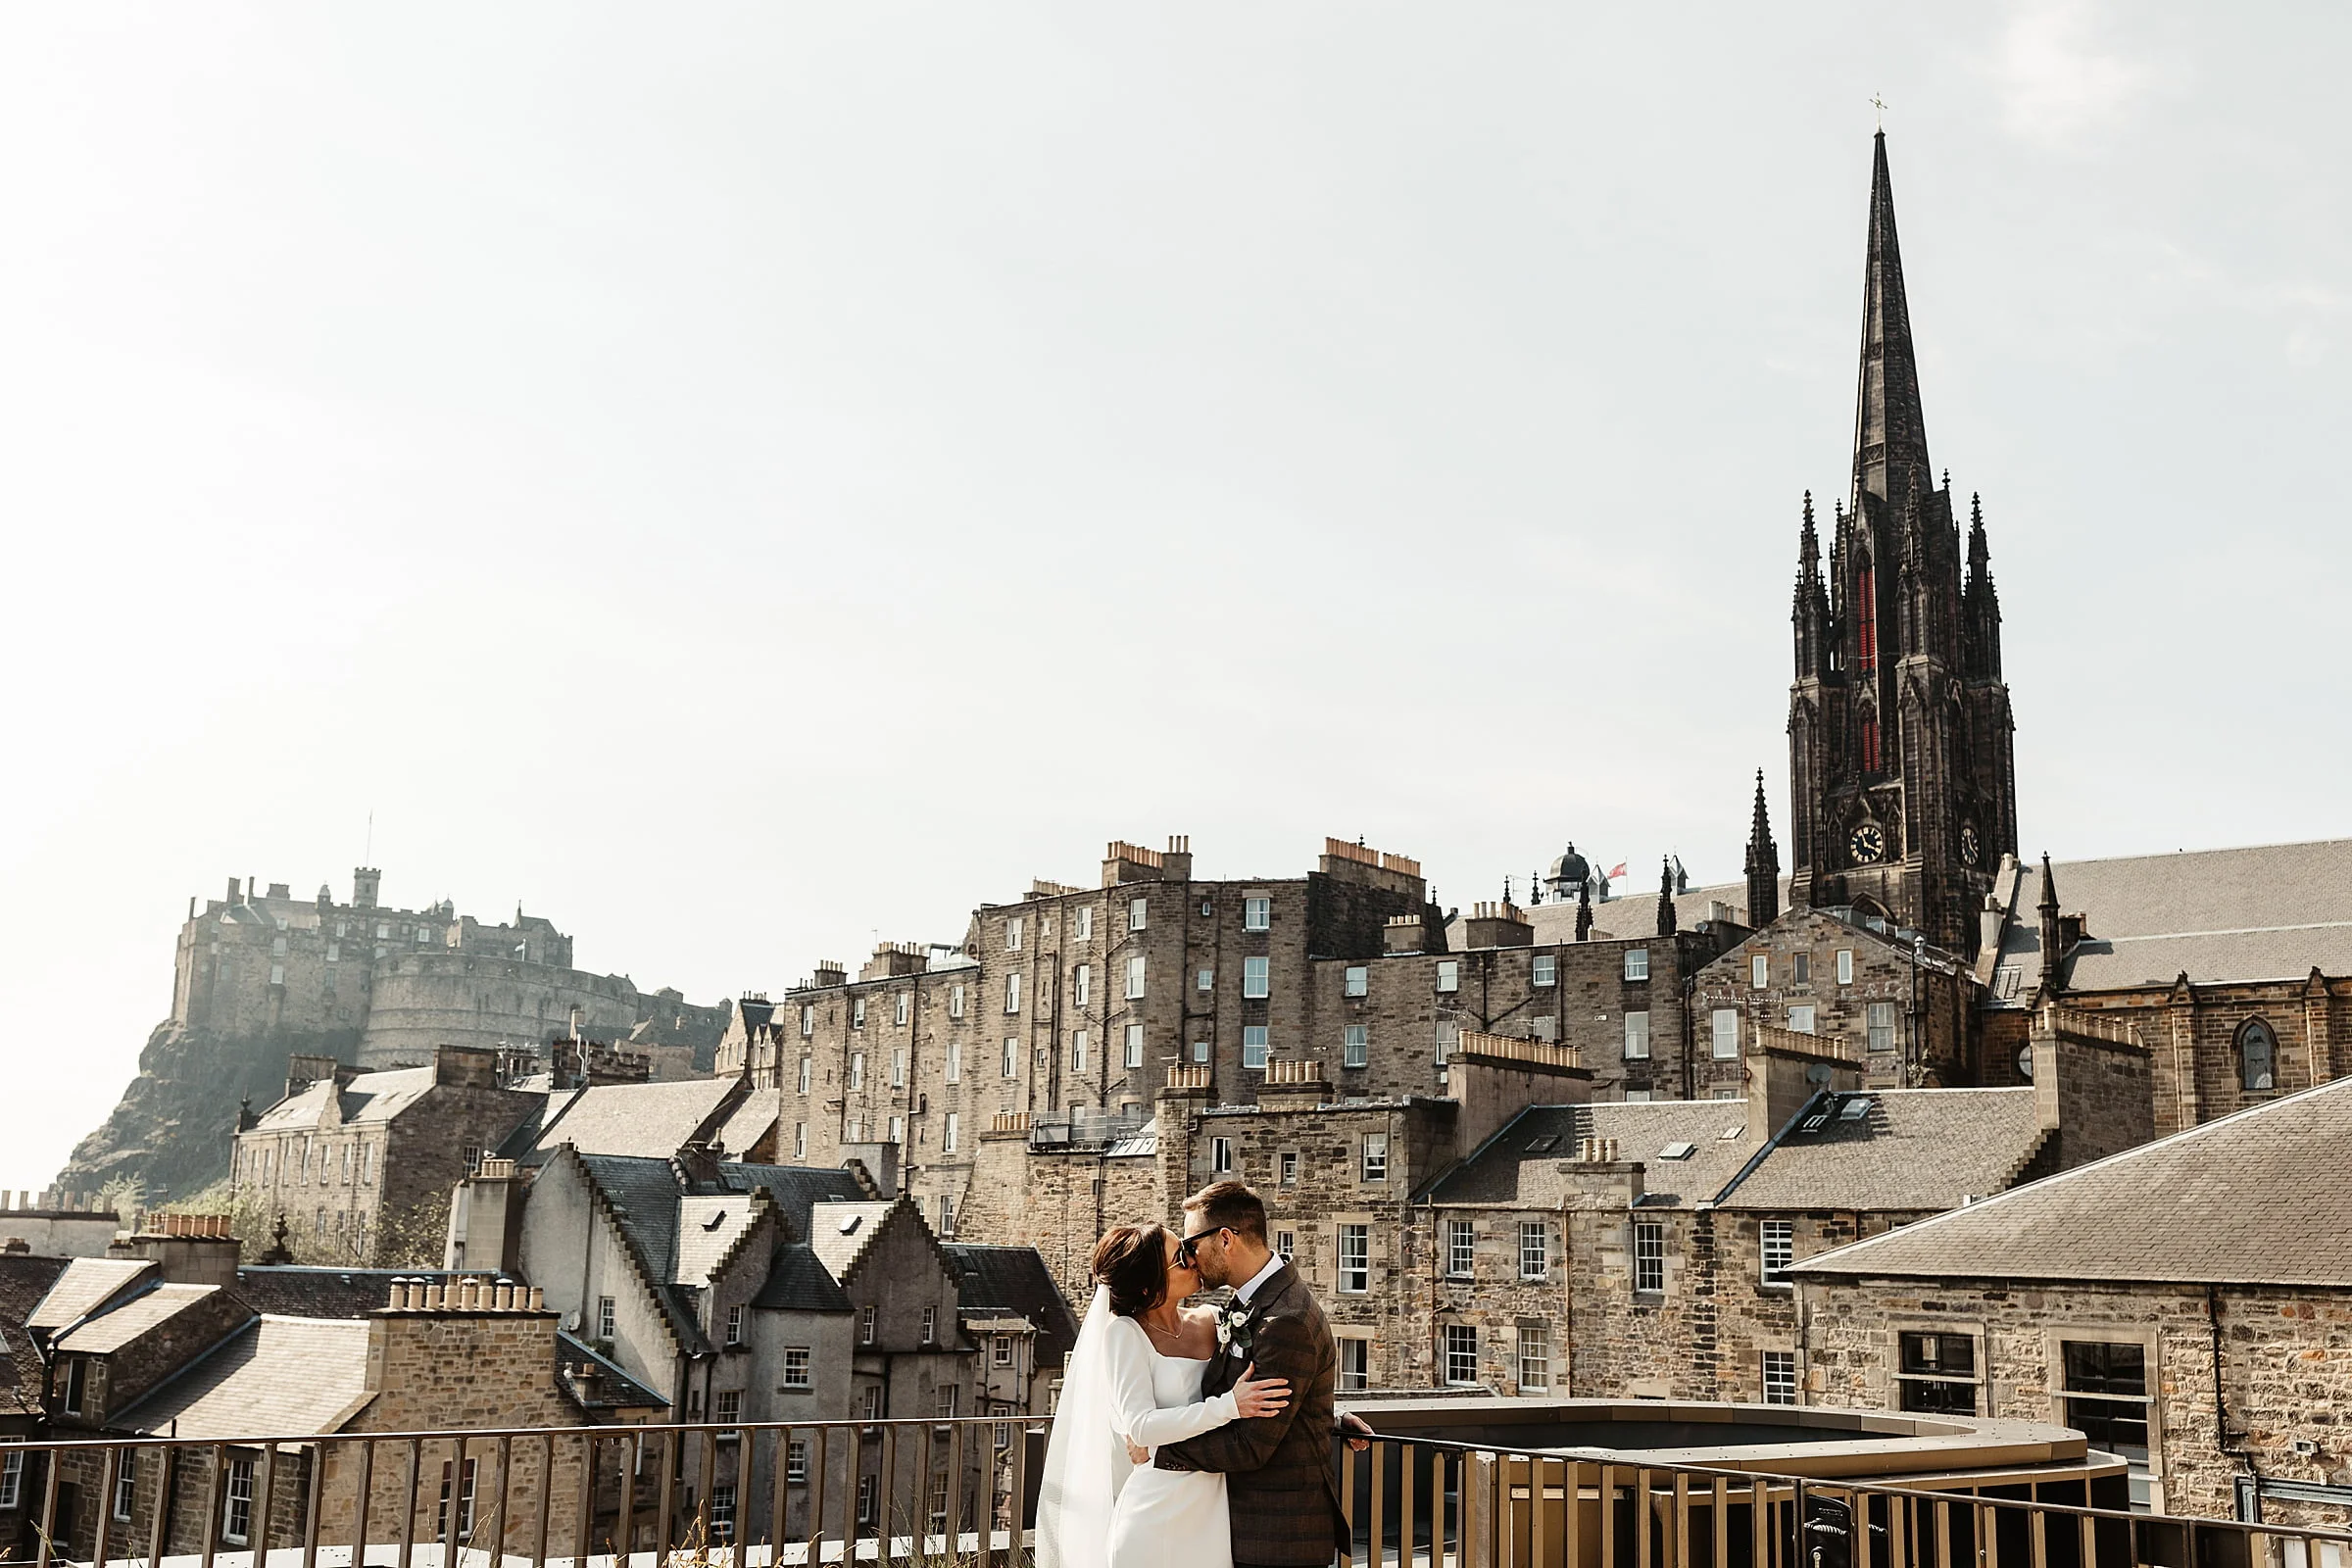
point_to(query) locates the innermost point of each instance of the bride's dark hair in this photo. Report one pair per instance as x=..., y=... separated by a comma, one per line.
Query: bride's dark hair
x=1132, y=1264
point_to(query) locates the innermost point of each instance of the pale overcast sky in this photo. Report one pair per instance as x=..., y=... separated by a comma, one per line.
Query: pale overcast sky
x=742, y=480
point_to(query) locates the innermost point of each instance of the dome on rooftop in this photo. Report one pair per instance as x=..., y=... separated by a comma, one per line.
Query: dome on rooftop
x=1569, y=870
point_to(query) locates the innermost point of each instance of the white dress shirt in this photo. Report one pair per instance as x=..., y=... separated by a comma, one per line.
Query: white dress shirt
x=1260, y=1278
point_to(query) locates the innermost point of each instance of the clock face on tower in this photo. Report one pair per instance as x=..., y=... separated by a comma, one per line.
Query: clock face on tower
x=1969, y=847
x=1868, y=844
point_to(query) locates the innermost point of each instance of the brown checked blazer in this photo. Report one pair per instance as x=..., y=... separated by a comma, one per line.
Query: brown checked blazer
x=1280, y=1481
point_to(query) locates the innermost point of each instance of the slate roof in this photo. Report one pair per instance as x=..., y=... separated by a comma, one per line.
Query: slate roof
x=2271, y=911
x=619, y=1389
x=752, y=1120
x=2258, y=1197
x=294, y=1291
x=112, y=1330
x=1632, y=916
x=84, y=1286
x=708, y=1226
x=1911, y=1148
x=648, y=1120
x=1016, y=1280
x=1512, y=1169
x=23, y=1280
x=369, y=1098
x=840, y=1233
x=278, y=1374
x=798, y=1283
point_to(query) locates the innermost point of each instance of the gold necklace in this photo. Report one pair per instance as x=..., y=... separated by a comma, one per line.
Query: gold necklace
x=1172, y=1336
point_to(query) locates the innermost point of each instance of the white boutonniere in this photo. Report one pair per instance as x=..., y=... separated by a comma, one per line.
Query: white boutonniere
x=1233, y=1327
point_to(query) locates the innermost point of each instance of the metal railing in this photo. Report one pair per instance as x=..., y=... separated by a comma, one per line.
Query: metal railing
x=1444, y=1504
x=750, y=1495
x=963, y=1491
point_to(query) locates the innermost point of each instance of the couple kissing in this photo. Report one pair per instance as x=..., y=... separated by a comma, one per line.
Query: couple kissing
x=1196, y=1437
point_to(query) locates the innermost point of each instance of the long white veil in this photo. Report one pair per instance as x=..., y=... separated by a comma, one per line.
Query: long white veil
x=1086, y=1460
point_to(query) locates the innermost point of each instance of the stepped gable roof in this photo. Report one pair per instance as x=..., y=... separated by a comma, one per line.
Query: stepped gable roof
x=372, y=1097
x=2269, y=912
x=710, y=1226
x=1521, y=1167
x=302, y=1291
x=618, y=1391
x=1905, y=1148
x=1016, y=1281
x=119, y=1326
x=645, y=1198
x=86, y=1284
x=275, y=1374
x=649, y=1120
x=23, y=1280
x=796, y=1282
x=752, y=1120
x=2251, y=1199
x=840, y=1233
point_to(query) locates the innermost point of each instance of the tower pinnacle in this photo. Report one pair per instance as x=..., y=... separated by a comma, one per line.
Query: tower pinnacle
x=1763, y=865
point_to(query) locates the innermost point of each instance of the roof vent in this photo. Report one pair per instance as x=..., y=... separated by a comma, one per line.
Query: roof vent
x=849, y=1227
x=715, y=1220
x=1677, y=1150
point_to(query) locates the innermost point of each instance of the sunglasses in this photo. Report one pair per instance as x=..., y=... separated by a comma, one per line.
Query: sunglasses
x=1187, y=1247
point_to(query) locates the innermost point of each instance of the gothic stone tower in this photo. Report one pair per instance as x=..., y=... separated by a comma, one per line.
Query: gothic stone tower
x=1901, y=782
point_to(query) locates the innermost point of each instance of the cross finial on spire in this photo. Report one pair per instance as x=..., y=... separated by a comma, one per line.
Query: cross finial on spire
x=1879, y=103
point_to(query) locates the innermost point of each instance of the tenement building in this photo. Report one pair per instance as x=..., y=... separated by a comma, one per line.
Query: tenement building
x=1066, y=1011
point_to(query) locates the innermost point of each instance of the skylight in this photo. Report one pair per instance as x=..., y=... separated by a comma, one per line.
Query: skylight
x=1545, y=1144
x=850, y=1226
x=1677, y=1150
x=1855, y=1108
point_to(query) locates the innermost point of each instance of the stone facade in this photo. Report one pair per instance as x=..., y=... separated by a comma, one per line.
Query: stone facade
x=1904, y=1009
x=361, y=1164
x=1070, y=1007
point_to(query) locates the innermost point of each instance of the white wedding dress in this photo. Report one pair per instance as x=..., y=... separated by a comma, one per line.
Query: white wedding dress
x=1098, y=1510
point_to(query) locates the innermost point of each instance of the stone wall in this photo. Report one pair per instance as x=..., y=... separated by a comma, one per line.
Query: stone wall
x=448, y=1369
x=2280, y=1358
x=2193, y=1034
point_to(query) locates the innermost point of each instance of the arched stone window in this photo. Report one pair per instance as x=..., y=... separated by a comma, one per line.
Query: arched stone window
x=2257, y=1057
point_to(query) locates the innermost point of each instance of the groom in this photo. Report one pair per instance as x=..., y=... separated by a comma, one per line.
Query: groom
x=1280, y=1485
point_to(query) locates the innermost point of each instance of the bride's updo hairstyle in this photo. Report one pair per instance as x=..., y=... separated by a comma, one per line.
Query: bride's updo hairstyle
x=1131, y=1263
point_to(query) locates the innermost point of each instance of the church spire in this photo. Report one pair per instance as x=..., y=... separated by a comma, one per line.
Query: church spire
x=1763, y=865
x=1891, y=433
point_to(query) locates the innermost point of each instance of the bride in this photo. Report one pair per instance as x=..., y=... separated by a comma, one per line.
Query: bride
x=1133, y=1384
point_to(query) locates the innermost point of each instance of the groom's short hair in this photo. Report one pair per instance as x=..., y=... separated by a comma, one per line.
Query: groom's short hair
x=1229, y=1206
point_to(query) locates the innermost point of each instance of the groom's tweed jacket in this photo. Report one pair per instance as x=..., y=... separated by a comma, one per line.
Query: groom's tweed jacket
x=1280, y=1481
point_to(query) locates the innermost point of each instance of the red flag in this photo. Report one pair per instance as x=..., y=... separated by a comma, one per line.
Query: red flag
x=1617, y=870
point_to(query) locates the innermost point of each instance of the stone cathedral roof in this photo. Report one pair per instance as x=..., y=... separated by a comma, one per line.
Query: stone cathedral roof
x=2268, y=911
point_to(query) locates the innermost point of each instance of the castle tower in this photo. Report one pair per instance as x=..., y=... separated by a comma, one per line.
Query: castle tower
x=1902, y=788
